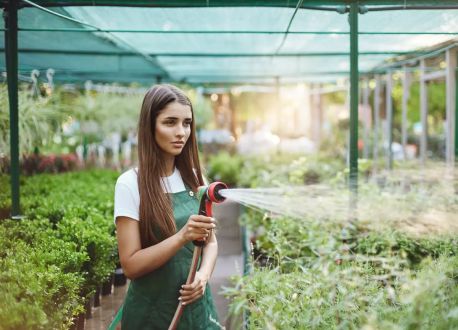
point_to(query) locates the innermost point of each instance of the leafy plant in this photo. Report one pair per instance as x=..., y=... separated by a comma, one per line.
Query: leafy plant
x=40, y=277
x=39, y=120
x=224, y=167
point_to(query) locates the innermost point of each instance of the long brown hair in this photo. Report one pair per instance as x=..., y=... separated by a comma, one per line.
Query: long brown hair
x=156, y=215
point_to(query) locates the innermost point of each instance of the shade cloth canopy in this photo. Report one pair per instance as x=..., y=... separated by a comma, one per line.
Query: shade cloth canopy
x=202, y=42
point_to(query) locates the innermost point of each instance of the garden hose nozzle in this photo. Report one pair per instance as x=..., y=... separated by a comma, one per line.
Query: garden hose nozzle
x=208, y=195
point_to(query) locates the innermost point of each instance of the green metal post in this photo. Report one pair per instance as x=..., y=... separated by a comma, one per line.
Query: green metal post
x=456, y=112
x=456, y=127
x=11, y=57
x=354, y=77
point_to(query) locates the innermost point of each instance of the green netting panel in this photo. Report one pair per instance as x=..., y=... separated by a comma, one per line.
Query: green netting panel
x=185, y=56
x=234, y=3
x=272, y=19
x=43, y=50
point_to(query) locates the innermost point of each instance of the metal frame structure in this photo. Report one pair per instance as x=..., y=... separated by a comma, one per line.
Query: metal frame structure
x=449, y=74
x=352, y=7
x=11, y=46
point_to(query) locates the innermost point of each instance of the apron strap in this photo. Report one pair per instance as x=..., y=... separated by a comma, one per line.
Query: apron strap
x=117, y=319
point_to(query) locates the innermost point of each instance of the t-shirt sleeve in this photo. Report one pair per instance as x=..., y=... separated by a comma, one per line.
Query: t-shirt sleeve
x=124, y=202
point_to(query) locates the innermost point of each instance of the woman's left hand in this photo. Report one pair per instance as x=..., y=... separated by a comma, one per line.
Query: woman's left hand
x=191, y=292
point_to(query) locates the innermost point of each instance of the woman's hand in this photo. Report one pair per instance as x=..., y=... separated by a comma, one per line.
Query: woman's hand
x=198, y=227
x=191, y=292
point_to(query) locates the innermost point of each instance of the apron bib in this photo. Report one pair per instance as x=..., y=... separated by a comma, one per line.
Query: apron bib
x=152, y=299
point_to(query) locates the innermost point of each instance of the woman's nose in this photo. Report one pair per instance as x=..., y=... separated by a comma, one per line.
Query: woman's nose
x=179, y=131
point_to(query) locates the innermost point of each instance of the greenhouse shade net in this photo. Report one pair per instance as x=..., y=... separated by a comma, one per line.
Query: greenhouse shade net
x=200, y=45
x=238, y=3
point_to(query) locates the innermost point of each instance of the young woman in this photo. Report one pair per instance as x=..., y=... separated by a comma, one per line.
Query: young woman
x=156, y=220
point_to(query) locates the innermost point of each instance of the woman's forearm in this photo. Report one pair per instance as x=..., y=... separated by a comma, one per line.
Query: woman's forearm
x=209, y=255
x=151, y=258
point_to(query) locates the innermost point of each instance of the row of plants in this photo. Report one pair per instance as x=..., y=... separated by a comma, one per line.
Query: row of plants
x=274, y=169
x=57, y=121
x=55, y=258
x=382, y=267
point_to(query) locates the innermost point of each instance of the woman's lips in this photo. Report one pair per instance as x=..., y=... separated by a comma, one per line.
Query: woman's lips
x=178, y=144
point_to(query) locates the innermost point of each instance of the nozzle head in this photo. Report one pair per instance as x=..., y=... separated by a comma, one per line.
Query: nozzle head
x=213, y=192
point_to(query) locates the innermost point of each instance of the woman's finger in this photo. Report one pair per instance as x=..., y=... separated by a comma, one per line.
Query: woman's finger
x=186, y=300
x=200, y=230
x=192, y=286
x=203, y=225
x=202, y=219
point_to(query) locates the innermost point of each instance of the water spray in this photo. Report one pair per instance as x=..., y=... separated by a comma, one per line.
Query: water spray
x=208, y=195
x=404, y=200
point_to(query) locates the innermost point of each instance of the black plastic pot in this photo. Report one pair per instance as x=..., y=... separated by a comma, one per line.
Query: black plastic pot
x=88, y=308
x=107, y=286
x=119, y=277
x=97, y=296
x=79, y=322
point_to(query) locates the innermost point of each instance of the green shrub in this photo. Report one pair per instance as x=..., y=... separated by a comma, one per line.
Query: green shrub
x=40, y=277
x=53, y=259
x=224, y=167
x=97, y=244
x=396, y=243
x=355, y=294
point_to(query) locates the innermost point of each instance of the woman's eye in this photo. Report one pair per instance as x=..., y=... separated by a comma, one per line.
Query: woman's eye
x=187, y=123
x=169, y=122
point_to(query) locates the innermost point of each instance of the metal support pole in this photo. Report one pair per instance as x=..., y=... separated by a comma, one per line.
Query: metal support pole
x=11, y=57
x=405, y=99
x=389, y=120
x=354, y=77
x=450, y=83
x=423, y=113
x=456, y=108
x=378, y=87
x=367, y=116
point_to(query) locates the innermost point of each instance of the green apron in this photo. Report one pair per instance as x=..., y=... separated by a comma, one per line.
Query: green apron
x=151, y=300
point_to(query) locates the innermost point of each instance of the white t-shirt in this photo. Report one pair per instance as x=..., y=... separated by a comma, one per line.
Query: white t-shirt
x=127, y=196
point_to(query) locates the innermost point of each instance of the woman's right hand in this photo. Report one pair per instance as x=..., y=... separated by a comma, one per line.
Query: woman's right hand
x=197, y=228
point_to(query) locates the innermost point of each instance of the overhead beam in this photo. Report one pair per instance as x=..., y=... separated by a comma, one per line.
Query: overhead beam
x=216, y=75
x=250, y=32
x=310, y=4
x=440, y=74
x=286, y=54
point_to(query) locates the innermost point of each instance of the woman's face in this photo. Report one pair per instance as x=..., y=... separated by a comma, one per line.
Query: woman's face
x=173, y=128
